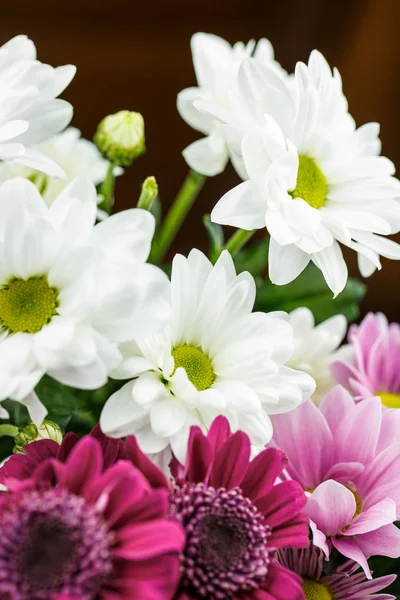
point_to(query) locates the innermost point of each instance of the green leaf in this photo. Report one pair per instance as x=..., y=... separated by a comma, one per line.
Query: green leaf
x=60, y=400
x=253, y=258
x=309, y=289
x=216, y=237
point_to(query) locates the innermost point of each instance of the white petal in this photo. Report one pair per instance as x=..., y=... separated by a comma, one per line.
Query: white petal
x=243, y=207
x=330, y=261
x=208, y=156
x=193, y=116
x=285, y=262
x=149, y=389
x=167, y=417
x=121, y=415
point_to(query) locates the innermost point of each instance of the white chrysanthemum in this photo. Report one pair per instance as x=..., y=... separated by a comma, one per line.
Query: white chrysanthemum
x=70, y=291
x=76, y=156
x=216, y=357
x=29, y=109
x=216, y=64
x=315, y=347
x=314, y=181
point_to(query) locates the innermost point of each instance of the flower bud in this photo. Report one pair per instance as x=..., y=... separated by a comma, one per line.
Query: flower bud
x=31, y=433
x=120, y=137
x=148, y=194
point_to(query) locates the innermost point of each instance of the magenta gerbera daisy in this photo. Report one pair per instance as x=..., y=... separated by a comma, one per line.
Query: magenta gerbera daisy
x=235, y=518
x=74, y=531
x=344, y=583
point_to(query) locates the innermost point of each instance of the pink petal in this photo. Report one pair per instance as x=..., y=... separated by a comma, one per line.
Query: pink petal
x=280, y=584
x=356, y=437
x=381, y=542
x=350, y=549
x=331, y=506
x=373, y=518
x=335, y=406
x=304, y=436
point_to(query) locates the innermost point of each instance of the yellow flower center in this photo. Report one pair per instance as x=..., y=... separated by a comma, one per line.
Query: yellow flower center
x=26, y=305
x=315, y=591
x=389, y=400
x=197, y=365
x=311, y=183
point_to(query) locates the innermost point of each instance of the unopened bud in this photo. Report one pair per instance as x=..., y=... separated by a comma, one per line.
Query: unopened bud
x=32, y=433
x=120, y=137
x=148, y=194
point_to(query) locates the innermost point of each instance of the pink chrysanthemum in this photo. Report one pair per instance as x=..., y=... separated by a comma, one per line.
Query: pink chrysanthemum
x=75, y=531
x=343, y=584
x=235, y=519
x=343, y=456
x=374, y=367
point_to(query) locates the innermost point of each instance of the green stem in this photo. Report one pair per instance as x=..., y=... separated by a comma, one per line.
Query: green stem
x=107, y=190
x=173, y=221
x=238, y=240
x=8, y=430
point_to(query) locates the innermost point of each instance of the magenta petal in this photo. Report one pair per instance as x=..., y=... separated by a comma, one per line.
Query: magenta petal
x=349, y=548
x=199, y=457
x=231, y=461
x=219, y=432
x=262, y=473
x=153, y=474
x=83, y=465
x=281, y=584
x=42, y=450
x=111, y=448
x=282, y=503
x=70, y=440
x=331, y=506
x=147, y=540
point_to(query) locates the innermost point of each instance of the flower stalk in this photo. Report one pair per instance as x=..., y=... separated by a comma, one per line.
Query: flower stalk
x=173, y=221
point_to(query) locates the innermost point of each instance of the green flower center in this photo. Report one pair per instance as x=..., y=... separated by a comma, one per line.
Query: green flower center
x=40, y=180
x=389, y=400
x=315, y=591
x=26, y=305
x=197, y=365
x=311, y=183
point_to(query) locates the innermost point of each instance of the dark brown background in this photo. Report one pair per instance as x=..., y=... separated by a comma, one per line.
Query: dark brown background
x=136, y=55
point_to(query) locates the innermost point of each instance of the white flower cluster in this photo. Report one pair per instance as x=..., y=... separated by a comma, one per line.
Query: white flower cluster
x=80, y=303
x=311, y=178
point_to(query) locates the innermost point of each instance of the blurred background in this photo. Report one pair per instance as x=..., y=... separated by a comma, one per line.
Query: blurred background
x=136, y=55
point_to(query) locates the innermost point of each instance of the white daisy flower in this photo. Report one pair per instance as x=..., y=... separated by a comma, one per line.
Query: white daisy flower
x=314, y=181
x=216, y=64
x=76, y=156
x=315, y=347
x=70, y=291
x=216, y=357
x=29, y=109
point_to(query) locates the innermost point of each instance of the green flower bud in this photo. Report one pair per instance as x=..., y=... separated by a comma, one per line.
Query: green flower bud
x=120, y=137
x=148, y=194
x=31, y=433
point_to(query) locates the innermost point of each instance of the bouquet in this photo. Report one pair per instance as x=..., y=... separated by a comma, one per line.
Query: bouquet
x=196, y=430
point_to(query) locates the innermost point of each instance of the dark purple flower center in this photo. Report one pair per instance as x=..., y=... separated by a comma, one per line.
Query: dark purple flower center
x=52, y=542
x=226, y=546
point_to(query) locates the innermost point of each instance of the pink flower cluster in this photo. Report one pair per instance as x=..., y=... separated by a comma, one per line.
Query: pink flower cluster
x=96, y=519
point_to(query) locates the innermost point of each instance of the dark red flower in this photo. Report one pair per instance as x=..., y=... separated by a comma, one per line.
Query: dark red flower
x=236, y=517
x=77, y=531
